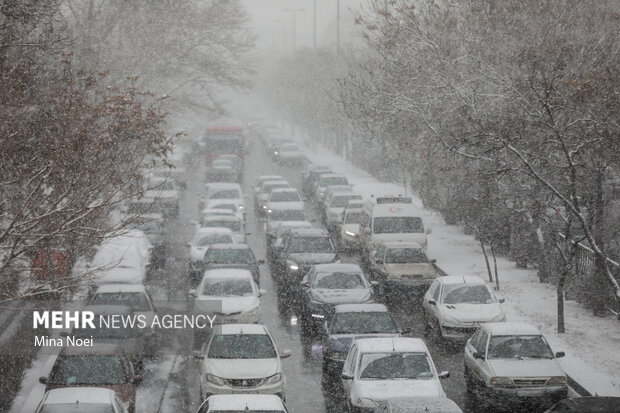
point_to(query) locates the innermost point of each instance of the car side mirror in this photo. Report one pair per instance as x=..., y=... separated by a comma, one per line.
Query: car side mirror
x=198, y=355
x=502, y=300
x=260, y=262
x=305, y=284
x=477, y=355
x=432, y=302
x=285, y=354
x=262, y=292
x=43, y=380
x=405, y=330
x=444, y=375
x=433, y=261
x=559, y=354
x=429, y=230
x=345, y=376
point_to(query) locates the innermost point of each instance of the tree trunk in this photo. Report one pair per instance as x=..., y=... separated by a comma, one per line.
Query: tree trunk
x=486, y=259
x=560, y=296
x=495, y=266
x=599, y=285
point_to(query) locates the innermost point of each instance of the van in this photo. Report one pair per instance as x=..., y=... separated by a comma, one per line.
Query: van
x=389, y=219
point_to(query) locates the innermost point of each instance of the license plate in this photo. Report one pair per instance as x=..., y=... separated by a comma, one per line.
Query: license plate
x=529, y=393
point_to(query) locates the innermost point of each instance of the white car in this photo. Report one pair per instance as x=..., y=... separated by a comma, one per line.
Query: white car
x=220, y=192
x=81, y=399
x=241, y=358
x=262, y=178
x=235, y=290
x=283, y=212
x=262, y=196
x=163, y=192
x=377, y=369
x=203, y=237
x=288, y=153
x=249, y=403
x=511, y=364
x=414, y=404
x=350, y=229
x=137, y=238
x=235, y=224
x=134, y=296
x=213, y=212
x=335, y=205
x=455, y=305
x=234, y=206
x=328, y=180
x=283, y=195
x=118, y=264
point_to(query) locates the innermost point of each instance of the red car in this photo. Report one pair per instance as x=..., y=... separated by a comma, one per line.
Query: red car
x=102, y=365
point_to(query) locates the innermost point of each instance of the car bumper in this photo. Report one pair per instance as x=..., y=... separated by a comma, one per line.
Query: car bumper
x=277, y=389
x=509, y=398
x=460, y=333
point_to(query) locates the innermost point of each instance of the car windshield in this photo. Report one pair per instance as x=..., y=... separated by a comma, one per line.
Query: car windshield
x=231, y=207
x=215, y=239
x=363, y=323
x=386, y=366
x=287, y=196
x=233, y=225
x=242, y=346
x=333, y=180
x=338, y=280
x=222, y=163
x=352, y=218
x=287, y=215
x=149, y=227
x=91, y=370
x=466, y=294
x=342, y=200
x=311, y=245
x=227, y=194
x=270, y=187
x=397, y=225
x=227, y=287
x=119, y=332
x=138, y=301
x=509, y=347
x=405, y=256
x=229, y=256
x=71, y=407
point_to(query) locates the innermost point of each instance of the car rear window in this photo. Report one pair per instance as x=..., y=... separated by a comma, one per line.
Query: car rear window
x=242, y=346
x=92, y=370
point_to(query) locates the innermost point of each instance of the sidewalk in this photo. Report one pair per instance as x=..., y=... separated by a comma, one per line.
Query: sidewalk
x=592, y=344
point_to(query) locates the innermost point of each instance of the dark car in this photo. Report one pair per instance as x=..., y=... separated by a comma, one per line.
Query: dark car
x=592, y=404
x=301, y=248
x=232, y=256
x=311, y=177
x=325, y=286
x=102, y=365
x=347, y=322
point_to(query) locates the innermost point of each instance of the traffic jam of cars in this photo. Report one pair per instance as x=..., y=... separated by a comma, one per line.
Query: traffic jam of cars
x=348, y=275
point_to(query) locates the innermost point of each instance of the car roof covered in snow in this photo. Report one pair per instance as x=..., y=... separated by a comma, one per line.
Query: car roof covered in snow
x=81, y=395
x=510, y=329
x=333, y=176
x=337, y=267
x=222, y=218
x=222, y=185
x=402, y=244
x=360, y=308
x=286, y=206
x=105, y=309
x=230, y=329
x=228, y=273
x=269, y=178
x=391, y=344
x=461, y=279
x=241, y=402
x=120, y=288
x=276, y=190
x=201, y=231
x=97, y=349
x=422, y=404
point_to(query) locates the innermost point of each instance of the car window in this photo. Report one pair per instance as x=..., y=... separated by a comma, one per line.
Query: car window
x=398, y=225
x=470, y=294
x=215, y=239
x=241, y=346
x=228, y=194
x=481, y=343
x=287, y=196
x=227, y=287
x=233, y=225
x=287, y=215
x=363, y=323
x=520, y=347
x=405, y=256
x=338, y=281
x=310, y=245
x=352, y=218
x=229, y=256
x=348, y=364
x=387, y=366
x=341, y=201
x=436, y=293
x=91, y=370
x=84, y=408
x=137, y=301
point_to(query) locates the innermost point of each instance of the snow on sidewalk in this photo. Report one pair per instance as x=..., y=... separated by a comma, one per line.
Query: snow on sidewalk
x=592, y=344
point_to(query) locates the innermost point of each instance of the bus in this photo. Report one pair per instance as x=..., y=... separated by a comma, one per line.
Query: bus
x=223, y=138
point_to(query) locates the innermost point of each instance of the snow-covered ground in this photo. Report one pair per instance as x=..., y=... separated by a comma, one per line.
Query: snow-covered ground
x=591, y=343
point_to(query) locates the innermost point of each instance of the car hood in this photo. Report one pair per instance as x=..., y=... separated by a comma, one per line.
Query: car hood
x=470, y=313
x=348, y=296
x=313, y=258
x=525, y=368
x=242, y=368
x=389, y=389
x=418, y=237
x=121, y=275
x=425, y=269
x=231, y=305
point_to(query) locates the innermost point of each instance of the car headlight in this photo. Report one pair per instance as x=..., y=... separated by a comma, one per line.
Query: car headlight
x=293, y=266
x=269, y=211
x=500, y=381
x=264, y=206
x=241, y=207
x=215, y=380
x=276, y=378
x=557, y=381
x=351, y=234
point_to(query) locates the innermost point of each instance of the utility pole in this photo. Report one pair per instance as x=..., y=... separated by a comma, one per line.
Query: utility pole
x=294, y=11
x=338, y=26
x=314, y=26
